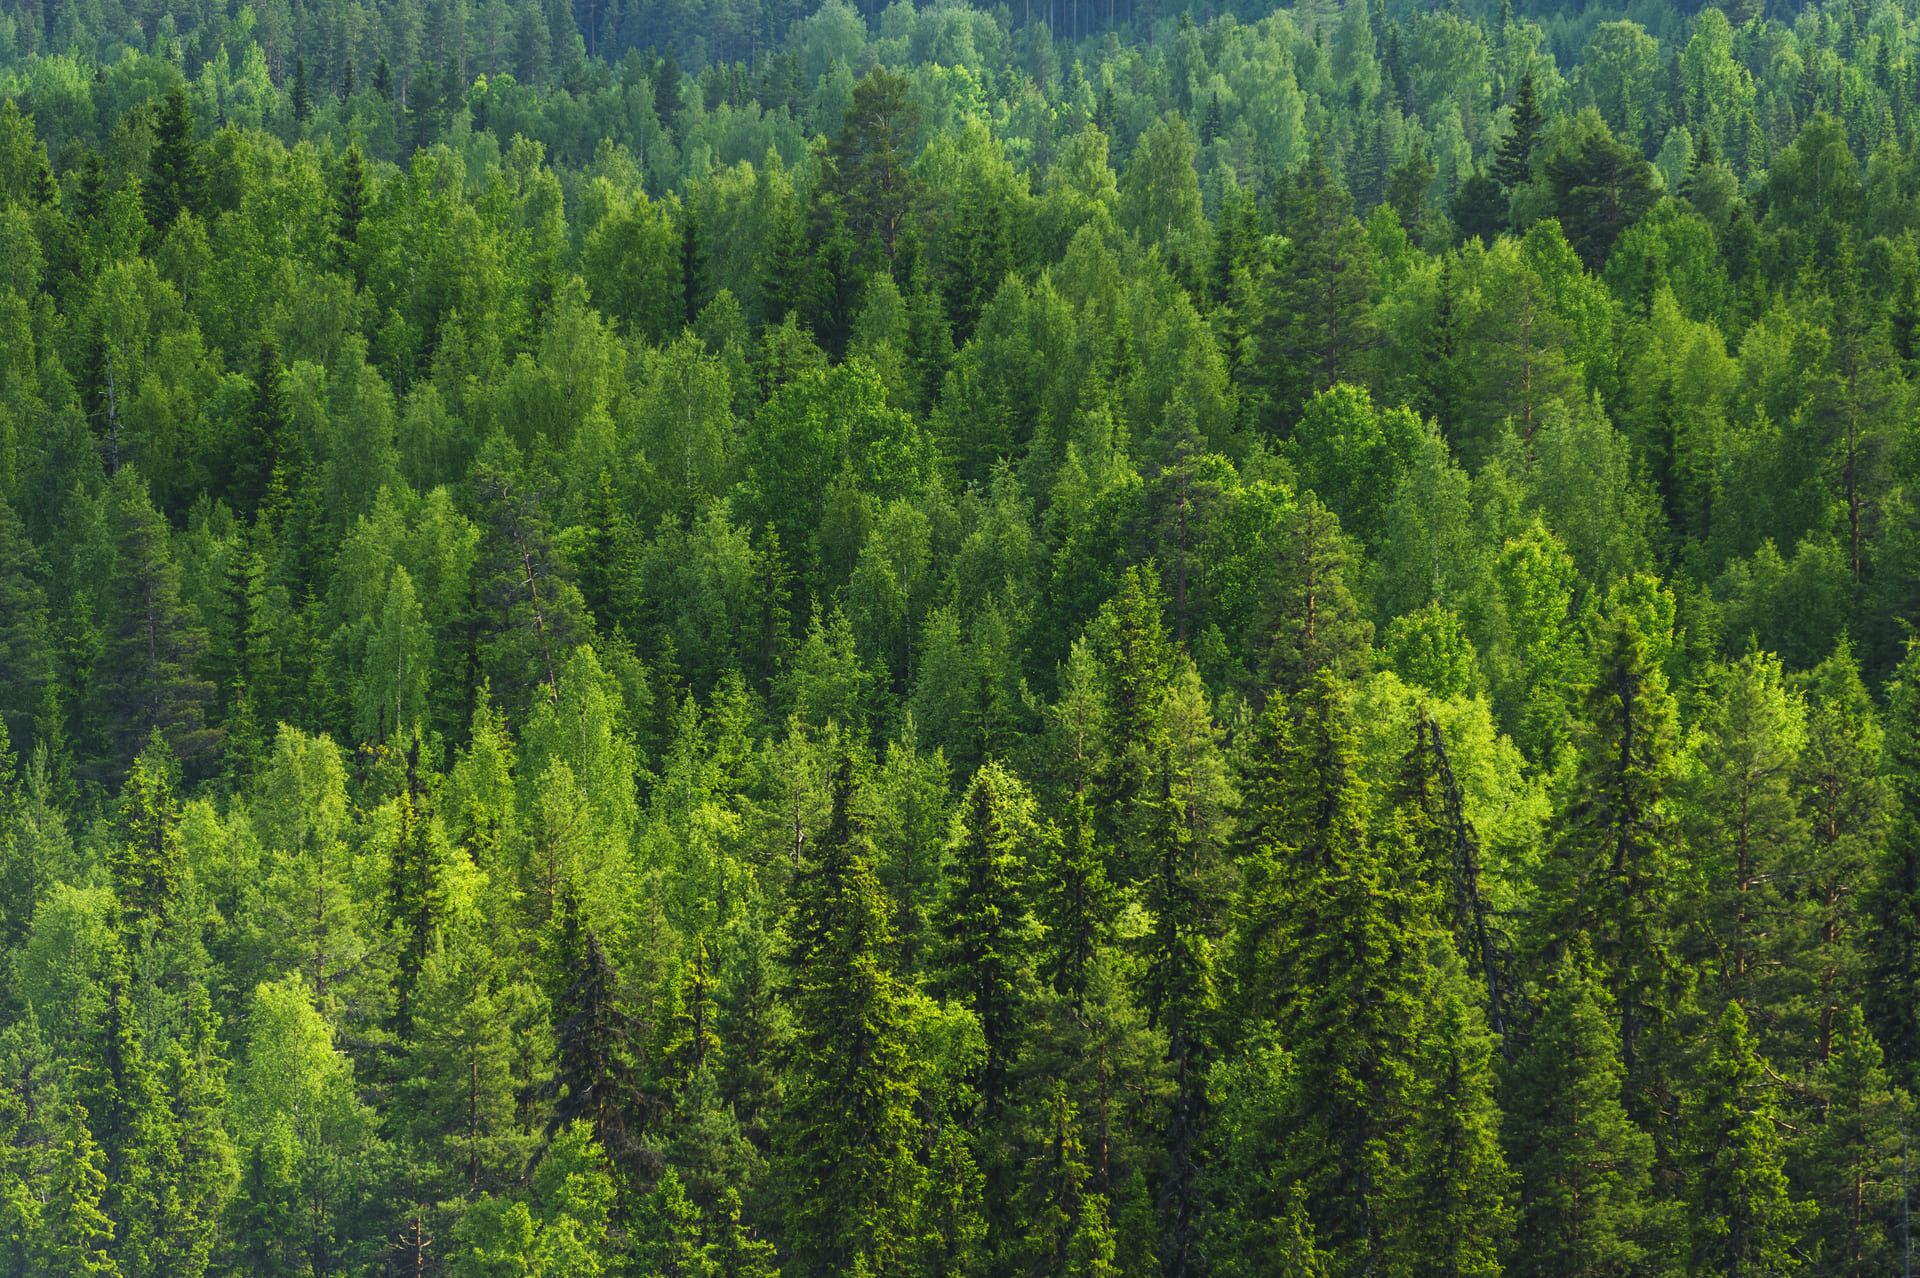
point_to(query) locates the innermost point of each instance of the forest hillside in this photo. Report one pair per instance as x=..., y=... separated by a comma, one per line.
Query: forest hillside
x=704, y=639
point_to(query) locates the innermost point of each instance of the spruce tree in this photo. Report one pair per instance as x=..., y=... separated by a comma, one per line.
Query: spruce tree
x=266, y=438
x=1514, y=166
x=1612, y=872
x=950, y=1225
x=145, y=681
x=1844, y=797
x=350, y=202
x=75, y=1233
x=1310, y=621
x=737, y=1253
x=691, y=1033
x=1058, y=1208
x=1078, y=903
x=416, y=904
x=1319, y=324
x=25, y=645
x=597, y=1079
x=1448, y=1208
x=1892, y=939
x=1742, y=1216
x=1584, y=1168
x=666, y=1233
x=176, y=185
x=145, y=856
x=300, y=95
x=847, y=1127
x=1745, y=821
x=1853, y=1161
x=983, y=917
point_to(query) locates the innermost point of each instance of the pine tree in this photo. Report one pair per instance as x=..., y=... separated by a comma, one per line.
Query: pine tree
x=383, y=79
x=847, y=1128
x=1743, y=1219
x=983, y=921
x=1583, y=1166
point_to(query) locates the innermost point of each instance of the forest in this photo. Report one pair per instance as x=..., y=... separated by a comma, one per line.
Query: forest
x=718, y=639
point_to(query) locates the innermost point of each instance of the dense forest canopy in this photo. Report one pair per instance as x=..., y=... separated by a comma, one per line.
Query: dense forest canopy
x=696, y=638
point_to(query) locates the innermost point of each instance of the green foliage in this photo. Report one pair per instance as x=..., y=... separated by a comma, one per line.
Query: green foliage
x=711, y=639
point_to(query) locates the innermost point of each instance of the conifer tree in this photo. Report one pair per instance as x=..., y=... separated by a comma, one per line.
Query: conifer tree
x=300, y=95
x=146, y=856
x=260, y=452
x=415, y=905
x=1310, y=621
x=1448, y=1211
x=737, y=1253
x=145, y=678
x=983, y=921
x=1078, y=903
x=692, y=1037
x=1060, y=1211
x=1892, y=939
x=1853, y=1160
x=1844, y=799
x=1612, y=872
x=176, y=185
x=1583, y=1166
x=848, y=1124
x=1514, y=167
x=597, y=1079
x=529, y=612
x=950, y=1224
x=1744, y=818
x=351, y=201
x=1743, y=1218
x=1319, y=324
x=24, y=646
x=75, y=1232
x=666, y=1231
